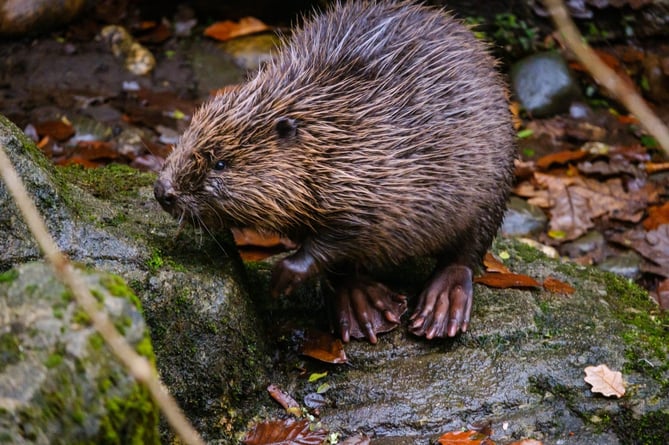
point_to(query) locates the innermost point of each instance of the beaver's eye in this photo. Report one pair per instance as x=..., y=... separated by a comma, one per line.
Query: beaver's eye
x=220, y=165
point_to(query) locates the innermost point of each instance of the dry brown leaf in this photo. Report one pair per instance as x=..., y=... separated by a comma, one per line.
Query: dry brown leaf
x=556, y=286
x=324, y=347
x=605, y=381
x=652, y=245
x=465, y=438
x=527, y=442
x=507, y=280
x=284, y=432
x=577, y=201
x=228, y=29
x=285, y=400
x=494, y=265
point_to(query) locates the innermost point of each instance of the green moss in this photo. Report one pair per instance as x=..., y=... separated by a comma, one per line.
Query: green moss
x=54, y=360
x=10, y=351
x=137, y=410
x=651, y=429
x=117, y=288
x=108, y=182
x=9, y=276
x=67, y=296
x=648, y=337
x=97, y=295
x=155, y=262
x=81, y=317
x=145, y=348
x=96, y=341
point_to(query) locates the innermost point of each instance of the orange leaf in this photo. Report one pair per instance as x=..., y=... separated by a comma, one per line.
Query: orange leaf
x=654, y=167
x=287, y=431
x=324, y=347
x=284, y=399
x=561, y=157
x=506, y=280
x=657, y=215
x=605, y=381
x=60, y=130
x=228, y=29
x=492, y=264
x=557, y=287
x=464, y=438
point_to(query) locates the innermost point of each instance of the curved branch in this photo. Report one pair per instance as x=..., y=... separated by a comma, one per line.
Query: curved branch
x=605, y=76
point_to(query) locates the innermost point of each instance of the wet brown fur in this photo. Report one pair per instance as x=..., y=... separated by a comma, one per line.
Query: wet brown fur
x=403, y=145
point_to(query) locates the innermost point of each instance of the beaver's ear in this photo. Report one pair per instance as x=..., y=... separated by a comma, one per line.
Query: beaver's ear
x=285, y=127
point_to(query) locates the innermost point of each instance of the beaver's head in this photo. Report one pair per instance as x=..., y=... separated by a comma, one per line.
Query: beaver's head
x=239, y=164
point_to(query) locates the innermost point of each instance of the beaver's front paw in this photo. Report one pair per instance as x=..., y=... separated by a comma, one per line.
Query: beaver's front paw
x=364, y=308
x=445, y=306
x=291, y=271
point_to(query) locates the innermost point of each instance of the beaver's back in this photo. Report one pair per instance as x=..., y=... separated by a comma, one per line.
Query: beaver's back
x=411, y=125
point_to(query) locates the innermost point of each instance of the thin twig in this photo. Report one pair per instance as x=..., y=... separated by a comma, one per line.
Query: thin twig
x=138, y=366
x=605, y=76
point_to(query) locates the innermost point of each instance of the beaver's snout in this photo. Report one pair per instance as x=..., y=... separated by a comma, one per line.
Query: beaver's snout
x=164, y=193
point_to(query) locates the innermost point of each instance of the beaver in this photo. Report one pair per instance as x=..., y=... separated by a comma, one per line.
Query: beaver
x=378, y=133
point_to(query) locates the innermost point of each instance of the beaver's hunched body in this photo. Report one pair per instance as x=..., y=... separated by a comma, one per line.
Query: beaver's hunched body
x=379, y=132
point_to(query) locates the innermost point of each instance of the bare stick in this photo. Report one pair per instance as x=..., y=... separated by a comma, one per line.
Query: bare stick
x=605, y=76
x=138, y=366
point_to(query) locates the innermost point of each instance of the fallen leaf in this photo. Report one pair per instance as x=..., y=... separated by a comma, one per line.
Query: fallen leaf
x=250, y=237
x=59, y=130
x=323, y=346
x=657, y=215
x=492, y=264
x=561, y=157
x=655, y=167
x=464, y=438
x=556, y=286
x=96, y=150
x=507, y=280
x=652, y=245
x=228, y=29
x=285, y=400
x=284, y=432
x=527, y=442
x=661, y=294
x=360, y=439
x=605, y=381
x=576, y=201
x=317, y=376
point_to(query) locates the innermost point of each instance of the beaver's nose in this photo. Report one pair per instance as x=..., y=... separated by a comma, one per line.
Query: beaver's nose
x=164, y=193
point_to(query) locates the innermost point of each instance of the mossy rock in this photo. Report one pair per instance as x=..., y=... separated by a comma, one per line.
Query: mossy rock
x=59, y=383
